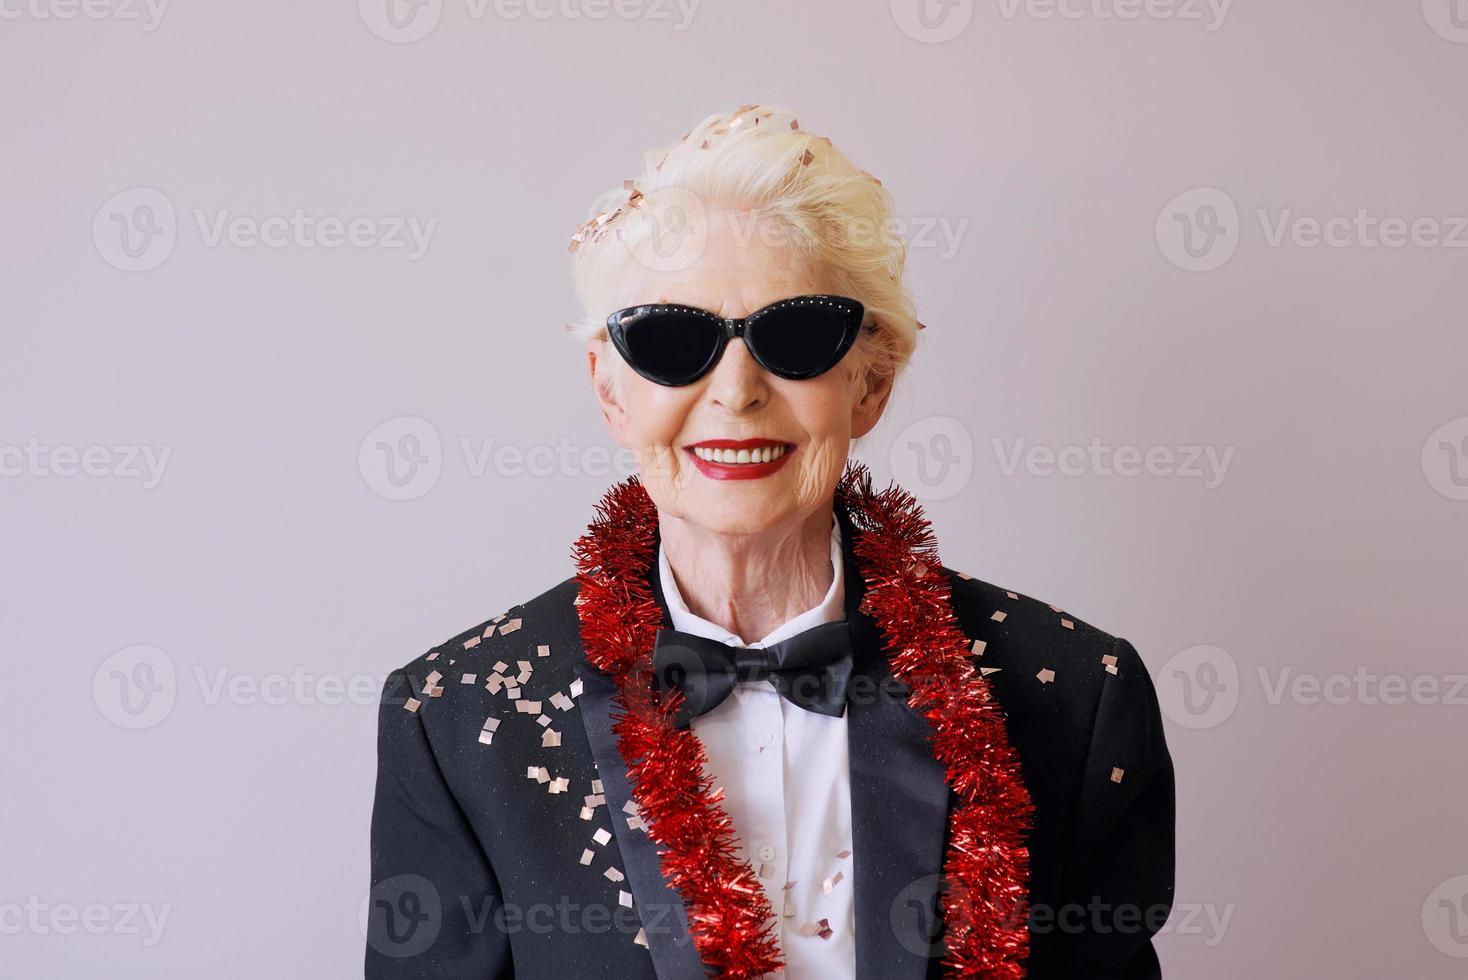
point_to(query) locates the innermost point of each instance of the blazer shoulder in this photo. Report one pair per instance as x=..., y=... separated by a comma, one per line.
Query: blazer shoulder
x=1044, y=661
x=497, y=637
x=1021, y=618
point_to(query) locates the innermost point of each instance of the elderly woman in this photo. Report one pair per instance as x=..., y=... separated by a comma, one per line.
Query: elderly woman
x=763, y=727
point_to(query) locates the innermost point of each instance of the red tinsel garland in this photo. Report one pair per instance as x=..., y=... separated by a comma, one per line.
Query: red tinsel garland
x=986, y=867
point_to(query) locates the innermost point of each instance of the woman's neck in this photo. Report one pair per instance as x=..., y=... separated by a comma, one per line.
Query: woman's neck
x=750, y=584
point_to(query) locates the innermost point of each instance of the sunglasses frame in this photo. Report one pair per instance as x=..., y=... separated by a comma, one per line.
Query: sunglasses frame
x=731, y=327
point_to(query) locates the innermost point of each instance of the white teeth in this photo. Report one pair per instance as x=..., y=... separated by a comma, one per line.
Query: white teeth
x=761, y=455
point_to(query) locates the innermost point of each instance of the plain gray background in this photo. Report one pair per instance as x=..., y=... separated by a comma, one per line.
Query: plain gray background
x=1110, y=206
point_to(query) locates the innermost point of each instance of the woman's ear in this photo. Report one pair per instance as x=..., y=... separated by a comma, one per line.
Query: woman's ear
x=599, y=364
x=867, y=411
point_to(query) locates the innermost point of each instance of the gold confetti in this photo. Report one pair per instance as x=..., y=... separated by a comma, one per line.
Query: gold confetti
x=614, y=874
x=1111, y=669
x=550, y=739
x=412, y=704
x=1068, y=624
x=1046, y=675
x=601, y=836
x=500, y=666
x=510, y=627
x=1011, y=595
x=587, y=856
x=468, y=679
x=471, y=643
x=624, y=898
x=560, y=785
x=641, y=937
x=1116, y=774
x=978, y=648
x=999, y=616
x=986, y=671
x=587, y=813
x=542, y=650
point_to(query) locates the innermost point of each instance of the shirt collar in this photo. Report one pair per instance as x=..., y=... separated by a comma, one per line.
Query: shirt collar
x=829, y=610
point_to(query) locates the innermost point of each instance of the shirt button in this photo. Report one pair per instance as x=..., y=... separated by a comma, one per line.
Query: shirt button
x=766, y=737
x=766, y=853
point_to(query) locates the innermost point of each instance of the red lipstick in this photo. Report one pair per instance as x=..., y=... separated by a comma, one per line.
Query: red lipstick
x=719, y=470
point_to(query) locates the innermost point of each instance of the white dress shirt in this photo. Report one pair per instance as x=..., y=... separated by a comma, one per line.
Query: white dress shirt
x=787, y=789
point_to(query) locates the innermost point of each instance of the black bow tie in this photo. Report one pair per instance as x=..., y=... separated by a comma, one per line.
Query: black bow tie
x=810, y=669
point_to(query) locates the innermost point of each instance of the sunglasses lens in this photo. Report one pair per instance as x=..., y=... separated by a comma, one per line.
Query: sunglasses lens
x=801, y=341
x=671, y=346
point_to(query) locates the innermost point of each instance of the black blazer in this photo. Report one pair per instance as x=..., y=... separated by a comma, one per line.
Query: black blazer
x=477, y=855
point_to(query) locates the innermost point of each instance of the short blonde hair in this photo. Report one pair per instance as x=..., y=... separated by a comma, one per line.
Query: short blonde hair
x=757, y=158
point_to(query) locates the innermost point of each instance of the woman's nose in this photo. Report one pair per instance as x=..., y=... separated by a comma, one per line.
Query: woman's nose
x=737, y=382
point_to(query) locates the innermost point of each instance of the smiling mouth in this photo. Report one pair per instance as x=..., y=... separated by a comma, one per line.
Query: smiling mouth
x=730, y=455
x=762, y=454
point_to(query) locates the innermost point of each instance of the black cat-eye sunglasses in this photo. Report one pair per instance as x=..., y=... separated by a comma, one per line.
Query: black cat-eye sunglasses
x=795, y=338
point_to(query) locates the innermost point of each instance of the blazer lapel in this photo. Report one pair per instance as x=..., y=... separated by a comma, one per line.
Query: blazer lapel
x=899, y=812
x=659, y=906
x=899, y=806
x=661, y=909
